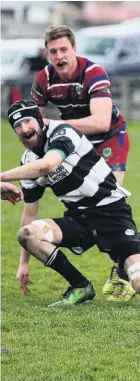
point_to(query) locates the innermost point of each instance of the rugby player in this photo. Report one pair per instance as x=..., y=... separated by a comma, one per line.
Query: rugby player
x=81, y=90
x=62, y=158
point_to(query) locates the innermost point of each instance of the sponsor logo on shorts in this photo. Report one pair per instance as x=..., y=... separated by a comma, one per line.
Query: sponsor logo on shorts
x=129, y=232
x=77, y=250
x=107, y=152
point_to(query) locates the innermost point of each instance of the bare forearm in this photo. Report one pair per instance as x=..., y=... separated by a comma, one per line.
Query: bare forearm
x=29, y=171
x=24, y=256
x=42, y=111
x=35, y=169
x=90, y=125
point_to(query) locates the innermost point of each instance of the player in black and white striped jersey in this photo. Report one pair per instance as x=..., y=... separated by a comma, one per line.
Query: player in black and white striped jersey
x=62, y=158
x=83, y=179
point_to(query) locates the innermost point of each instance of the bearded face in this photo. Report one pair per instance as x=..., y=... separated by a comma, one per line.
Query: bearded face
x=30, y=133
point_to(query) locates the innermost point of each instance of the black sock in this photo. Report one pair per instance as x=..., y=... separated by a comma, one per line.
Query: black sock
x=59, y=262
x=122, y=273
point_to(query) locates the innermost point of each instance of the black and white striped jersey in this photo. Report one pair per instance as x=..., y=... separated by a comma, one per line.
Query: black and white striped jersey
x=82, y=180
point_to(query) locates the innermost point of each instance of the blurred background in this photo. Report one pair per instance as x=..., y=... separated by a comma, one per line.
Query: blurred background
x=107, y=32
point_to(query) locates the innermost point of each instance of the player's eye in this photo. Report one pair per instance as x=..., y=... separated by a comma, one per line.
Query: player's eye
x=18, y=125
x=52, y=51
x=64, y=50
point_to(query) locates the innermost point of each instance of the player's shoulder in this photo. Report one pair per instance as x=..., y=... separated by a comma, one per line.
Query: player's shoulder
x=44, y=74
x=28, y=156
x=92, y=67
x=56, y=125
x=60, y=128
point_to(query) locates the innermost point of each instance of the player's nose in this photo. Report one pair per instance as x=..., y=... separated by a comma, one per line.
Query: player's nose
x=59, y=55
x=25, y=127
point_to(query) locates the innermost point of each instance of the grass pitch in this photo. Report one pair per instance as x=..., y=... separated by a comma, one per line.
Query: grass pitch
x=97, y=341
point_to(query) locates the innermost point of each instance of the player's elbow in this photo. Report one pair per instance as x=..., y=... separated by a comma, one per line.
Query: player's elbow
x=103, y=125
x=102, y=122
x=44, y=168
x=50, y=162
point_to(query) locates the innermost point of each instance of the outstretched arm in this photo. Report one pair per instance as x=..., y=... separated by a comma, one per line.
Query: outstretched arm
x=35, y=169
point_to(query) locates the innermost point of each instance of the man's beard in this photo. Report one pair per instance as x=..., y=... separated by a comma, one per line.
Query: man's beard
x=39, y=149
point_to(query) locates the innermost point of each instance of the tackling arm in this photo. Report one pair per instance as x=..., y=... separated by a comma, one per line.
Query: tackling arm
x=98, y=121
x=42, y=111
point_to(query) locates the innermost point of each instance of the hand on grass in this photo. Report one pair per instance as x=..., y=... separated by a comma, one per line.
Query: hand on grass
x=23, y=278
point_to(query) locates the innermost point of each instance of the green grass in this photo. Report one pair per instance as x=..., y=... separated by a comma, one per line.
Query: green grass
x=98, y=341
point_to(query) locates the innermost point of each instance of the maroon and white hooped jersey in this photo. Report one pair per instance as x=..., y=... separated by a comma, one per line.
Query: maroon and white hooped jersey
x=72, y=98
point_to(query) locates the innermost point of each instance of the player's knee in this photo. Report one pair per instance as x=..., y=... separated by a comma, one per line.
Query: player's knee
x=45, y=228
x=49, y=230
x=133, y=271
x=136, y=285
x=24, y=234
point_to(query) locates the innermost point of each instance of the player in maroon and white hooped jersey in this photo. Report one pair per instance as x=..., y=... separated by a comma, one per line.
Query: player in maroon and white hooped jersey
x=81, y=90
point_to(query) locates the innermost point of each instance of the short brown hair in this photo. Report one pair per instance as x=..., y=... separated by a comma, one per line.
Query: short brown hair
x=55, y=32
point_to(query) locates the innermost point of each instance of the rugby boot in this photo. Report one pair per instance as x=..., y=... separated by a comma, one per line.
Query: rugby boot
x=74, y=296
x=109, y=285
x=123, y=291
x=117, y=286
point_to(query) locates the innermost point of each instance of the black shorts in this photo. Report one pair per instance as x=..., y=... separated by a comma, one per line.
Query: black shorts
x=110, y=227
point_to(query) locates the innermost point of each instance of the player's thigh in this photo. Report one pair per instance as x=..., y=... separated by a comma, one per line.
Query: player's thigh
x=115, y=152
x=116, y=231
x=75, y=236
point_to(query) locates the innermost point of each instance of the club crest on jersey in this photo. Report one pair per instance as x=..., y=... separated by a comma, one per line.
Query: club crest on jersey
x=78, y=90
x=17, y=115
x=107, y=152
